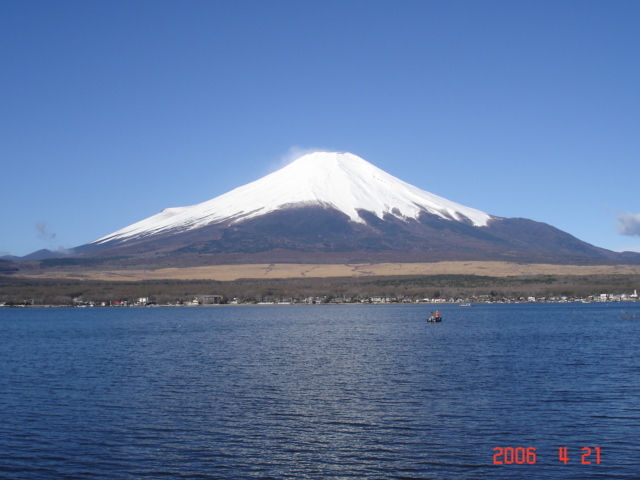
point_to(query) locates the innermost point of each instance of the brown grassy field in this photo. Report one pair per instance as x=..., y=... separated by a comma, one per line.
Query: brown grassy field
x=290, y=271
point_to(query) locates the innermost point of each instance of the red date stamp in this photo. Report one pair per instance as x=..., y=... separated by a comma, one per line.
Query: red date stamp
x=563, y=455
x=518, y=455
x=522, y=455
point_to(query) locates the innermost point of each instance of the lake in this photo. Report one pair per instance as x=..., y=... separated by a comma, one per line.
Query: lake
x=309, y=392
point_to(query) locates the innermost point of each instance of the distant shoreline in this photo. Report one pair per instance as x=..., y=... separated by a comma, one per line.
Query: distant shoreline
x=300, y=304
x=385, y=283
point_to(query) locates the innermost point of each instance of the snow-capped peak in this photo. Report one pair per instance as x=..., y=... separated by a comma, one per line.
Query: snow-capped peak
x=343, y=181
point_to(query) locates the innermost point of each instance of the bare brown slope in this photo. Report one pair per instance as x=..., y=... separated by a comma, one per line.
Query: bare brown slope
x=323, y=235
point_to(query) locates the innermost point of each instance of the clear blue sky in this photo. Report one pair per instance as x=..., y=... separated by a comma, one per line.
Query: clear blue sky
x=112, y=111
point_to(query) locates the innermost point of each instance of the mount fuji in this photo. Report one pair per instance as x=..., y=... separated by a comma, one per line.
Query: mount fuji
x=331, y=207
x=340, y=181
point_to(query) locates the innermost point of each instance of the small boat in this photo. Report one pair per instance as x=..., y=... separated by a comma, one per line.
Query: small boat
x=434, y=317
x=465, y=304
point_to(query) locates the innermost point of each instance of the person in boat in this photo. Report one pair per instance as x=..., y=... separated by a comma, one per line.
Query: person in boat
x=437, y=313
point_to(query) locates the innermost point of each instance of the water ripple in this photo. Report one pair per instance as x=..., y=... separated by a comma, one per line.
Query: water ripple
x=335, y=392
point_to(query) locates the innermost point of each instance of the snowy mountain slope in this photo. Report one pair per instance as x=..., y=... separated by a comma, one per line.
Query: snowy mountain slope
x=342, y=181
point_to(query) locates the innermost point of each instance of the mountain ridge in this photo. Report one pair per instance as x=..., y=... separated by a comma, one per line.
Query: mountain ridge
x=332, y=207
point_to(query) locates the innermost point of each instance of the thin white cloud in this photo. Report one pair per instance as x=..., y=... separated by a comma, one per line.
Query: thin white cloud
x=65, y=251
x=628, y=224
x=44, y=233
x=294, y=153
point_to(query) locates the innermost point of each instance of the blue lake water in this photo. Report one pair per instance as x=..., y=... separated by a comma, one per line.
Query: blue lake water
x=319, y=392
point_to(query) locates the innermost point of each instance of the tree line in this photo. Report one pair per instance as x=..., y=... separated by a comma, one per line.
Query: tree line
x=64, y=292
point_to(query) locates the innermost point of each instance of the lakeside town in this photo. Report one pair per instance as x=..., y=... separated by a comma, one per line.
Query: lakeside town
x=211, y=300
